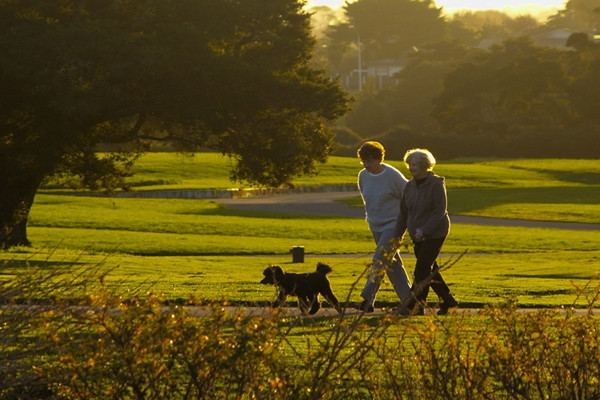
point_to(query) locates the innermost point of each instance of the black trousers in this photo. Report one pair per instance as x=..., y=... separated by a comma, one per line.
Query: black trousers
x=427, y=252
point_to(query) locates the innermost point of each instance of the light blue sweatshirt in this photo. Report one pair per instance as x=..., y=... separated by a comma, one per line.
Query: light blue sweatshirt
x=381, y=194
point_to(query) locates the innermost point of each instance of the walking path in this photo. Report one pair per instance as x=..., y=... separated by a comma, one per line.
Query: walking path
x=325, y=204
x=329, y=312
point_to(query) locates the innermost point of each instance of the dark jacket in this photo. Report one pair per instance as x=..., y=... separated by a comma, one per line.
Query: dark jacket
x=424, y=207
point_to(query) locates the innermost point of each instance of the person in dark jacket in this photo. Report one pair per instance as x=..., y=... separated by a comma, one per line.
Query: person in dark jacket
x=423, y=212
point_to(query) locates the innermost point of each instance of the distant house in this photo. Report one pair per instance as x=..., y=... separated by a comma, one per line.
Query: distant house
x=382, y=71
x=554, y=38
x=487, y=43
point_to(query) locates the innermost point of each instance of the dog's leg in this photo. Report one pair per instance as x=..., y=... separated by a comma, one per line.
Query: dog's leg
x=331, y=299
x=303, y=304
x=280, y=299
x=315, y=304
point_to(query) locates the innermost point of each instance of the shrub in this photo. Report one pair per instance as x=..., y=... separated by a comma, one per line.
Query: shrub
x=64, y=335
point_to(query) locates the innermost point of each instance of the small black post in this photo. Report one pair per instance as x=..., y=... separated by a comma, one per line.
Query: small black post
x=297, y=254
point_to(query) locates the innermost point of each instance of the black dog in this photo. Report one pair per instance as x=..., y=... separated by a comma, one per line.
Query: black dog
x=306, y=286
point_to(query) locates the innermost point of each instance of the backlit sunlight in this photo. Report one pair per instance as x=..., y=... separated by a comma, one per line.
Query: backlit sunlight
x=523, y=6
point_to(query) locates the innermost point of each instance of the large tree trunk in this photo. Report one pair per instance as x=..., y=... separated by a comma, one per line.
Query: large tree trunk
x=16, y=199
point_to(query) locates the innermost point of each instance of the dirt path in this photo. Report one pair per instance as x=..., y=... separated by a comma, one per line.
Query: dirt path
x=324, y=204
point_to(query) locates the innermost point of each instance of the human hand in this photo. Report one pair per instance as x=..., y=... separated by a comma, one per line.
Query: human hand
x=419, y=236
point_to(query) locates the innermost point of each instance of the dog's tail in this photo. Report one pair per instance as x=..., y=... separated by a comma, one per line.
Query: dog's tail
x=323, y=268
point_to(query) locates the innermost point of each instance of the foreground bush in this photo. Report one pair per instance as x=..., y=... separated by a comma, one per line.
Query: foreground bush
x=65, y=335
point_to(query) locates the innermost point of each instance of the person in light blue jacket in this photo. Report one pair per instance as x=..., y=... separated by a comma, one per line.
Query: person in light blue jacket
x=381, y=187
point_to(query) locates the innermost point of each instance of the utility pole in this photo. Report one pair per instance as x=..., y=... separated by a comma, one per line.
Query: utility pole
x=359, y=61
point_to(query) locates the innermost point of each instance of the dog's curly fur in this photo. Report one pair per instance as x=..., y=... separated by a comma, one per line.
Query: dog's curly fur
x=306, y=287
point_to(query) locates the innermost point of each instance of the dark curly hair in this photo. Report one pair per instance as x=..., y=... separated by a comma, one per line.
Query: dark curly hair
x=371, y=151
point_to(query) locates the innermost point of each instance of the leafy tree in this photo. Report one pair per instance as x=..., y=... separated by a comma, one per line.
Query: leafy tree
x=493, y=24
x=578, y=15
x=421, y=81
x=579, y=41
x=322, y=17
x=513, y=89
x=409, y=103
x=462, y=32
x=227, y=75
x=390, y=27
x=386, y=28
x=584, y=89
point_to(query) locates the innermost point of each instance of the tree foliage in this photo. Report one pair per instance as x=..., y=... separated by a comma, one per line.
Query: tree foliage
x=227, y=75
x=577, y=15
x=494, y=25
x=584, y=90
x=385, y=28
x=514, y=88
x=390, y=27
x=409, y=103
x=487, y=84
x=516, y=99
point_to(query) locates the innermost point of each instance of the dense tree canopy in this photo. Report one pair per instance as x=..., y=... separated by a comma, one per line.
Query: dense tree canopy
x=516, y=99
x=227, y=75
x=409, y=103
x=484, y=83
x=386, y=29
x=493, y=24
x=584, y=90
x=390, y=27
x=578, y=15
x=515, y=88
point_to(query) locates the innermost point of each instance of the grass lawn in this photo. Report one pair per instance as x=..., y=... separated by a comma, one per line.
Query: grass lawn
x=538, y=279
x=178, y=247
x=184, y=249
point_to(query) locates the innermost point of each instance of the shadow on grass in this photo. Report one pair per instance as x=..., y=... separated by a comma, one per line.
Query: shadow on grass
x=591, y=178
x=12, y=265
x=222, y=211
x=471, y=199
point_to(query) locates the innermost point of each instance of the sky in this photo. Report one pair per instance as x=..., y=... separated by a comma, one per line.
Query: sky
x=522, y=6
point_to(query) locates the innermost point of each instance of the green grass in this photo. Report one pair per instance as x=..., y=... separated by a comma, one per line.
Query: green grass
x=158, y=227
x=540, y=189
x=558, y=203
x=545, y=190
x=156, y=171
x=540, y=279
x=177, y=247
x=566, y=204
x=160, y=171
